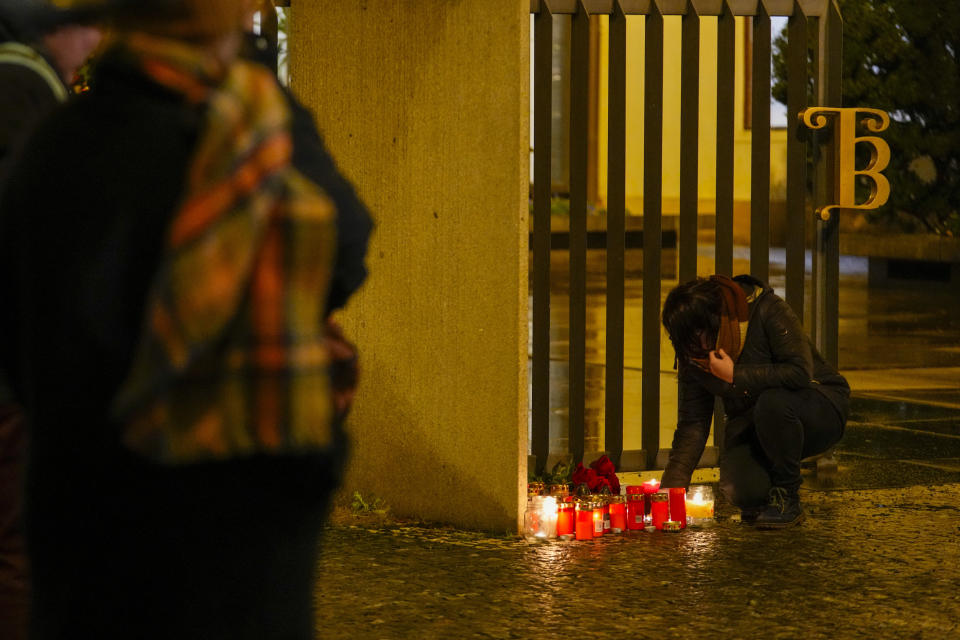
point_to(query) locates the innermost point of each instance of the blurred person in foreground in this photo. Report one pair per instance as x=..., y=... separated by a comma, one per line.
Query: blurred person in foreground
x=171, y=275
x=41, y=48
x=737, y=340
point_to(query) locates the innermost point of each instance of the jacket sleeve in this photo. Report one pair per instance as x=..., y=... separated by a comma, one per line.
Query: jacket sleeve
x=354, y=223
x=25, y=98
x=694, y=414
x=791, y=365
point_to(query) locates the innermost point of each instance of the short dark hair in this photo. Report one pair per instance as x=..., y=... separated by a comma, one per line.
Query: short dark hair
x=691, y=310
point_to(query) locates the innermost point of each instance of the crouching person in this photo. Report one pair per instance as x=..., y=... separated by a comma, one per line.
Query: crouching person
x=737, y=340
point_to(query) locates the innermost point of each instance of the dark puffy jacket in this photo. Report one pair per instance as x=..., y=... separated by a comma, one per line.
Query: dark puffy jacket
x=776, y=353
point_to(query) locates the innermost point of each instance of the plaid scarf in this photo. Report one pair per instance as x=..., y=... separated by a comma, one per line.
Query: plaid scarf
x=231, y=360
x=734, y=313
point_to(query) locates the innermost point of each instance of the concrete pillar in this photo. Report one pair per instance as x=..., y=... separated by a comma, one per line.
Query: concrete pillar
x=425, y=105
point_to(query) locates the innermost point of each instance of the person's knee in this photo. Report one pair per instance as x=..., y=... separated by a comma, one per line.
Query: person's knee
x=773, y=405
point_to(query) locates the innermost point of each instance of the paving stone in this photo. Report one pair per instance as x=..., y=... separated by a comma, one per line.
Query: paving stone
x=872, y=563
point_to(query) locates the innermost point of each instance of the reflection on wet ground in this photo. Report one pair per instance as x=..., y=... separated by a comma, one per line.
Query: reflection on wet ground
x=864, y=564
x=899, y=348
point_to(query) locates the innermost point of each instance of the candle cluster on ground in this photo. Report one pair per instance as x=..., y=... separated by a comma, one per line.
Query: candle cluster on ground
x=553, y=513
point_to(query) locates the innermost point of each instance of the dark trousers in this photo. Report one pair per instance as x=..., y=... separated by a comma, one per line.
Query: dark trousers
x=763, y=447
x=14, y=585
x=225, y=550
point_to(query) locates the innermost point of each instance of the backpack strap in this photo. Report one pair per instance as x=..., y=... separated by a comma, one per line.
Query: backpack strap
x=20, y=54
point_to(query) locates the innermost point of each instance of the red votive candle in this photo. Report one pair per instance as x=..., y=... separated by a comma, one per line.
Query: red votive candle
x=565, y=520
x=660, y=510
x=650, y=488
x=634, y=511
x=598, y=520
x=618, y=514
x=678, y=505
x=584, y=521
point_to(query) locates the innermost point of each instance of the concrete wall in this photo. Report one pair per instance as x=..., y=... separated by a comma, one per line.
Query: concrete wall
x=425, y=104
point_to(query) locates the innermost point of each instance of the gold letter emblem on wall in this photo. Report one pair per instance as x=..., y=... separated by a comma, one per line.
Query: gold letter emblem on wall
x=845, y=143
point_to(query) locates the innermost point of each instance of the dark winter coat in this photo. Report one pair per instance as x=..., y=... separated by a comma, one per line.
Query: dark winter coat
x=25, y=98
x=776, y=353
x=122, y=548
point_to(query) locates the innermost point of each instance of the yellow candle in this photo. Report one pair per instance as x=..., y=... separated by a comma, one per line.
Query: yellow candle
x=699, y=508
x=699, y=504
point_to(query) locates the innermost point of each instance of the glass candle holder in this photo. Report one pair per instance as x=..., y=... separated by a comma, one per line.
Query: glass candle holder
x=618, y=514
x=634, y=511
x=605, y=510
x=678, y=511
x=540, y=519
x=559, y=491
x=699, y=505
x=583, y=519
x=650, y=488
x=566, y=519
x=598, y=506
x=660, y=509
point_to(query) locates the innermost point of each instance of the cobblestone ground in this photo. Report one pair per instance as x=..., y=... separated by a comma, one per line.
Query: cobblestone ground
x=879, y=563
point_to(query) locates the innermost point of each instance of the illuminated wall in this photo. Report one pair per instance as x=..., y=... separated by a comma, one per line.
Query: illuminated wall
x=425, y=105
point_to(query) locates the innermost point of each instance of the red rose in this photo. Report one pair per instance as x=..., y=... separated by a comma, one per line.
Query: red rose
x=603, y=466
x=599, y=482
x=581, y=475
x=614, y=484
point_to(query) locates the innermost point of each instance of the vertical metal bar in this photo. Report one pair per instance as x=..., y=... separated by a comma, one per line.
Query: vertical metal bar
x=831, y=229
x=616, y=238
x=819, y=192
x=652, y=213
x=542, y=121
x=689, y=148
x=726, y=100
x=760, y=147
x=796, y=158
x=726, y=86
x=579, y=120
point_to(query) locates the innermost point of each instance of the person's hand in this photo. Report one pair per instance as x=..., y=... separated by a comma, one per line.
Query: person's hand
x=721, y=365
x=344, y=368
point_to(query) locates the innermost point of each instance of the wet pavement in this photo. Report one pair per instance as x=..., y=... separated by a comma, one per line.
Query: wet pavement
x=878, y=555
x=865, y=564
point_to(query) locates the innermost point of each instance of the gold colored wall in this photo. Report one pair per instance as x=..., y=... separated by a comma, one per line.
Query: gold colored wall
x=671, y=124
x=425, y=105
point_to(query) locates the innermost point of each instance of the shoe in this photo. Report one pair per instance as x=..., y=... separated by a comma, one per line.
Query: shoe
x=748, y=515
x=782, y=511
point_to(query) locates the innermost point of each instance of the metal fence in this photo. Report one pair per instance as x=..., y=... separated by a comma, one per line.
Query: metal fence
x=813, y=25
